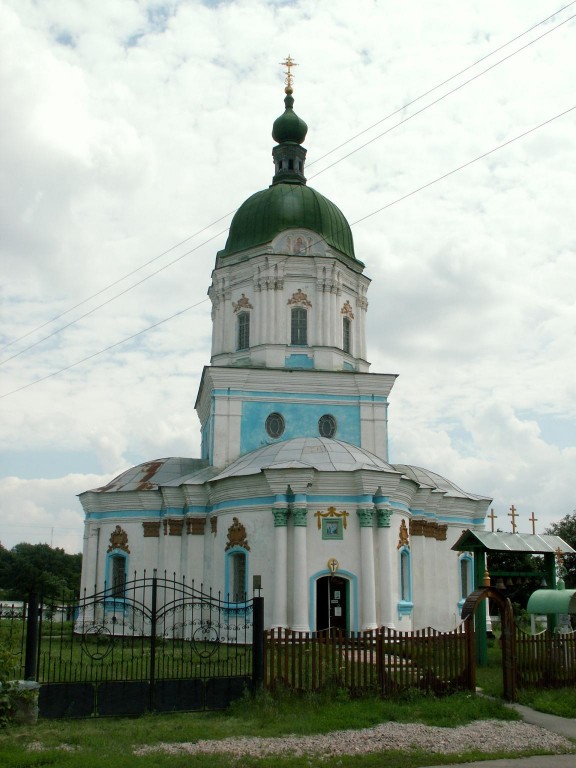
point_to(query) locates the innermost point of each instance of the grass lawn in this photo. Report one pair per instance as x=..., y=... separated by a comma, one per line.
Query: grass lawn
x=110, y=742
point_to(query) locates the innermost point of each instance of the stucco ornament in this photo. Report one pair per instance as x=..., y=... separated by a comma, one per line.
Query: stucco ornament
x=299, y=298
x=403, y=539
x=119, y=540
x=237, y=536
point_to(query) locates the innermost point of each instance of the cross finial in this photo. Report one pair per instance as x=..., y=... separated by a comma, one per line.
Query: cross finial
x=513, y=514
x=492, y=517
x=289, y=63
x=533, y=520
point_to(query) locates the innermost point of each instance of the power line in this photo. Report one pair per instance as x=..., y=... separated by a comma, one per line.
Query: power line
x=444, y=82
x=363, y=218
x=177, y=245
x=445, y=95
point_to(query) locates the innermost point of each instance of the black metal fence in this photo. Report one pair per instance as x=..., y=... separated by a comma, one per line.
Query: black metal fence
x=156, y=644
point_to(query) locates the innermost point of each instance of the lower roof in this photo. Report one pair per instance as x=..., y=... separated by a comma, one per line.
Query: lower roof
x=497, y=541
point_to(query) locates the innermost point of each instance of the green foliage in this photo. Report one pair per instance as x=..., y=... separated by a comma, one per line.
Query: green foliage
x=49, y=571
x=566, y=529
x=556, y=701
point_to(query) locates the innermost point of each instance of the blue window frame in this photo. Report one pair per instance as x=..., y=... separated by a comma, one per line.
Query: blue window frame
x=405, y=603
x=236, y=576
x=466, y=578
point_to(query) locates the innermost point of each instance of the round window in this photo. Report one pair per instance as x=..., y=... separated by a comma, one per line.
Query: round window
x=327, y=425
x=275, y=425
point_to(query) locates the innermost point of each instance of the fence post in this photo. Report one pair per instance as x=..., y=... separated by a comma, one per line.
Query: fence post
x=257, y=644
x=470, y=653
x=154, y=610
x=31, y=638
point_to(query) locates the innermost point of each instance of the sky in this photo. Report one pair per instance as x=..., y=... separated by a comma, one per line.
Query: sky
x=132, y=130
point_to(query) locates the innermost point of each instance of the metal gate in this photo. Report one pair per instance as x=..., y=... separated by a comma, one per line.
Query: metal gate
x=151, y=644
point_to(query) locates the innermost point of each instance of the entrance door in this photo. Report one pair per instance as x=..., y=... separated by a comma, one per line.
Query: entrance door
x=332, y=603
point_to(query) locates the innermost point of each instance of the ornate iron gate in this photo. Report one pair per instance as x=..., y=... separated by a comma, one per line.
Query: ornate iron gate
x=153, y=644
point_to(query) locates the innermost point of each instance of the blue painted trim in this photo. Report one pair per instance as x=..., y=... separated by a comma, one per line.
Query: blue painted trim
x=299, y=361
x=404, y=608
x=352, y=579
x=465, y=557
x=227, y=585
x=115, y=553
x=258, y=395
x=405, y=604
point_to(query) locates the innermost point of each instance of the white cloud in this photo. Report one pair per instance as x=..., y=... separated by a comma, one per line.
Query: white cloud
x=127, y=127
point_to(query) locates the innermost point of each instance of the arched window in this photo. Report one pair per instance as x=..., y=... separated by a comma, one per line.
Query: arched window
x=346, y=335
x=466, y=578
x=118, y=575
x=405, y=604
x=243, y=339
x=299, y=327
x=236, y=577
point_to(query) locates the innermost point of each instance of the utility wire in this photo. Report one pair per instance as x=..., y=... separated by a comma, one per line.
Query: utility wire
x=444, y=82
x=441, y=98
x=363, y=218
x=111, y=299
x=177, y=245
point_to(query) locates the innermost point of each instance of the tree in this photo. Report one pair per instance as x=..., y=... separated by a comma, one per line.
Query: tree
x=49, y=571
x=566, y=529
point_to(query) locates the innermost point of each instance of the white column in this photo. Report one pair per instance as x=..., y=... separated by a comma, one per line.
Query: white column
x=368, y=584
x=386, y=580
x=300, y=572
x=280, y=608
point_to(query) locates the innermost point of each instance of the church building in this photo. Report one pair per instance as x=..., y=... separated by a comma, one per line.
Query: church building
x=294, y=483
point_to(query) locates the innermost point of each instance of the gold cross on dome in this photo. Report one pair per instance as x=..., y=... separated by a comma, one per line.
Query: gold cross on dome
x=289, y=63
x=533, y=520
x=492, y=517
x=513, y=514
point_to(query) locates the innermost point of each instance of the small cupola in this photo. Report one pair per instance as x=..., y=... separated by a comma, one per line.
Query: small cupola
x=289, y=131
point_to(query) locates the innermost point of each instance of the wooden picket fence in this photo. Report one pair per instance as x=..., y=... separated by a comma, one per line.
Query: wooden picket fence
x=545, y=659
x=383, y=660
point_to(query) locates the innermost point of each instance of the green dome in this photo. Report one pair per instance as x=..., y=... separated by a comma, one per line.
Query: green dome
x=289, y=127
x=288, y=206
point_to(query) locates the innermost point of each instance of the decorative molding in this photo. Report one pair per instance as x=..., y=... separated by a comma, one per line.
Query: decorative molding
x=366, y=517
x=196, y=525
x=299, y=298
x=118, y=540
x=151, y=529
x=362, y=303
x=383, y=517
x=242, y=303
x=300, y=517
x=173, y=526
x=428, y=528
x=331, y=513
x=237, y=536
x=403, y=538
x=347, y=310
x=417, y=527
x=280, y=517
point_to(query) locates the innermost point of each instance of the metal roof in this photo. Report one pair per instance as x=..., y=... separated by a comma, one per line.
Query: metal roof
x=497, y=541
x=552, y=601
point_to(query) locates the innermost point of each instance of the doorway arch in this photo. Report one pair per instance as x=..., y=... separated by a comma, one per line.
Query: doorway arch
x=508, y=635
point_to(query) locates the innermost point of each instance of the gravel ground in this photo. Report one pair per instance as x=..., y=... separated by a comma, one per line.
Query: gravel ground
x=484, y=736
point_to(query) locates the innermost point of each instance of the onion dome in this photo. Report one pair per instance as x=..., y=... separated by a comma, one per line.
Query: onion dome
x=288, y=203
x=289, y=127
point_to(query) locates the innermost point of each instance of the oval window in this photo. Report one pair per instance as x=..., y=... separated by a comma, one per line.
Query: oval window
x=275, y=425
x=327, y=425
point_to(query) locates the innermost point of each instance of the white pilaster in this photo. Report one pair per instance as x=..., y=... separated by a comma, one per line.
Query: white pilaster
x=300, y=574
x=368, y=586
x=280, y=608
